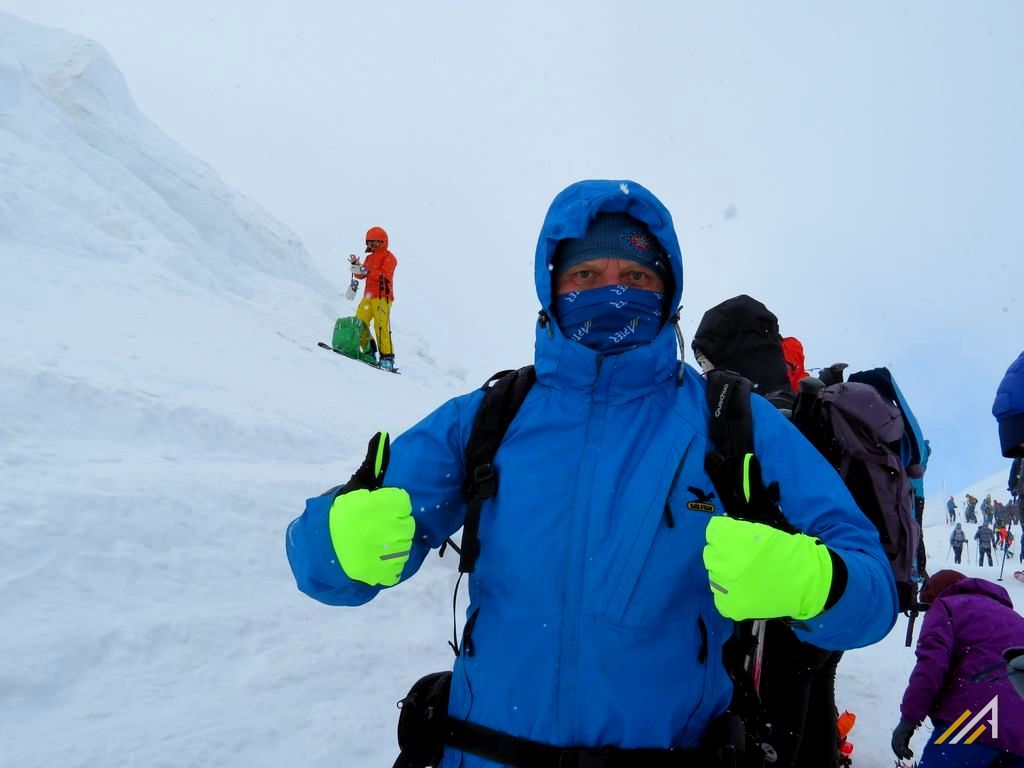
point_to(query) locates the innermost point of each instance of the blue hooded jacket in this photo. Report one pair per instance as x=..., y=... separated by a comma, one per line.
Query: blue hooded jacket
x=1008, y=409
x=594, y=620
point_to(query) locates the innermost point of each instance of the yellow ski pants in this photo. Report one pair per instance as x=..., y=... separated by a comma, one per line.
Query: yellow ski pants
x=378, y=311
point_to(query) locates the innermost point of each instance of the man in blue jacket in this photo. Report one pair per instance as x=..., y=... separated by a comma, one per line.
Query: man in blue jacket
x=608, y=578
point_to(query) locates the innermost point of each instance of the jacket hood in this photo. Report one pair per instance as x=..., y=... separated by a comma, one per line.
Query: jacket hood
x=578, y=204
x=378, y=233
x=1008, y=409
x=981, y=587
x=742, y=335
x=940, y=581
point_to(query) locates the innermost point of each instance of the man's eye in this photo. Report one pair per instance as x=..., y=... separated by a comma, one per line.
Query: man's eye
x=638, y=275
x=583, y=274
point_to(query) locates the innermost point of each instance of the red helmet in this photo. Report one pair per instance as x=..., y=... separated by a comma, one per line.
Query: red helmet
x=376, y=235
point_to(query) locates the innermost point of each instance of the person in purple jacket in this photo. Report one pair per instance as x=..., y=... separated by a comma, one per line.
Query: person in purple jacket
x=960, y=667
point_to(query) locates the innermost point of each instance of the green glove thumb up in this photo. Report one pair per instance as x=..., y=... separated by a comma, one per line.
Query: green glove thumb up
x=760, y=572
x=372, y=527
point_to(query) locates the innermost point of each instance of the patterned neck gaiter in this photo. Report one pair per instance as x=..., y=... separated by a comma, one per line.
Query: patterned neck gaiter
x=610, y=319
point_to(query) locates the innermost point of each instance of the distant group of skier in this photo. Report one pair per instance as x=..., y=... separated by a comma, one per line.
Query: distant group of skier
x=665, y=565
x=995, y=534
x=1001, y=539
x=993, y=511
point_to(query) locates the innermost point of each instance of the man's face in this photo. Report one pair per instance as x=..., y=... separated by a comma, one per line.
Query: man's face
x=374, y=245
x=597, y=273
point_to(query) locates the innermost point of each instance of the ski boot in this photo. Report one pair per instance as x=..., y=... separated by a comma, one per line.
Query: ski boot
x=387, y=362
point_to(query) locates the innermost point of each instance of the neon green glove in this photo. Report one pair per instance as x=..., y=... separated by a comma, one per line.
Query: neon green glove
x=372, y=527
x=372, y=534
x=759, y=572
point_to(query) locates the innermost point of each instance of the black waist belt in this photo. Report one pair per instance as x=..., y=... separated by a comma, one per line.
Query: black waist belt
x=504, y=748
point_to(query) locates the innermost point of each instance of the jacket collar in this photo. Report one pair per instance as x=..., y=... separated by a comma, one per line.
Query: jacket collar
x=571, y=367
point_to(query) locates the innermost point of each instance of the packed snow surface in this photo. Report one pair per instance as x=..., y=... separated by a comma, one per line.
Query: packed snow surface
x=164, y=412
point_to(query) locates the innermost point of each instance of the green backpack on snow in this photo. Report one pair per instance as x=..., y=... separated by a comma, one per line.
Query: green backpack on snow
x=347, y=339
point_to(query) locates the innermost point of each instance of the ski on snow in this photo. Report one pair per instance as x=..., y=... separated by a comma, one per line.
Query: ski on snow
x=322, y=345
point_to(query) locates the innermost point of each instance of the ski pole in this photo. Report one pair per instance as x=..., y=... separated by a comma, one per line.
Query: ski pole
x=1006, y=549
x=948, y=551
x=387, y=313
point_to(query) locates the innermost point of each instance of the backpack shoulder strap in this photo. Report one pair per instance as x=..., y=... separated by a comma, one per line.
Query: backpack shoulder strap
x=736, y=475
x=731, y=462
x=504, y=392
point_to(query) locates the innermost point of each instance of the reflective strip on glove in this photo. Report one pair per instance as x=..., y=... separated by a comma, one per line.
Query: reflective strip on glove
x=759, y=572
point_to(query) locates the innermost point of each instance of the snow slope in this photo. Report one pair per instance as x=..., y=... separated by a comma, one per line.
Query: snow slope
x=163, y=413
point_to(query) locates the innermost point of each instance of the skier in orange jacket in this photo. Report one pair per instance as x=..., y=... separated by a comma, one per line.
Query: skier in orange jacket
x=378, y=270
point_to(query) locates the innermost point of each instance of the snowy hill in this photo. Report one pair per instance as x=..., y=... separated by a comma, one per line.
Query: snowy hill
x=163, y=413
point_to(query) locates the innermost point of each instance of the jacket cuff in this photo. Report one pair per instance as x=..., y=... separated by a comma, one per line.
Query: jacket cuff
x=839, y=579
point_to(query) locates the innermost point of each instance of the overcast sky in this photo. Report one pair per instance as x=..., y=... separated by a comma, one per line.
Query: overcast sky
x=855, y=166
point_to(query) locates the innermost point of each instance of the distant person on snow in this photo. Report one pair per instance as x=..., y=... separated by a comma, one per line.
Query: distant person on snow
x=999, y=513
x=969, y=514
x=604, y=579
x=957, y=539
x=1004, y=538
x=1015, y=485
x=984, y=537
x=986, y=509
x=378, y=270
x=969, y=510
x=951, y=511
x=960, y=667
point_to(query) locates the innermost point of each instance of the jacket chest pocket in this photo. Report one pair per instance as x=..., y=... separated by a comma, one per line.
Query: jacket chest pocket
x=662, y=576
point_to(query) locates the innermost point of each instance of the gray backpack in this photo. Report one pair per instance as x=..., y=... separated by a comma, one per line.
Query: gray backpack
x=859, y=432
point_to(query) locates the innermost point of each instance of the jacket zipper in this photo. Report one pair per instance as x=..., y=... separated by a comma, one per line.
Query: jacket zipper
x=572, y=623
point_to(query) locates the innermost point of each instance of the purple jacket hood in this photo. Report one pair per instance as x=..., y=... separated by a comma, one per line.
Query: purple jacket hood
x=981, y=587
x=964, y=633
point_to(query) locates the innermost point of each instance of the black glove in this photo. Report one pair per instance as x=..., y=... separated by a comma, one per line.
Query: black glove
x=901, y=739
x=371, y=472
x=370, y=475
